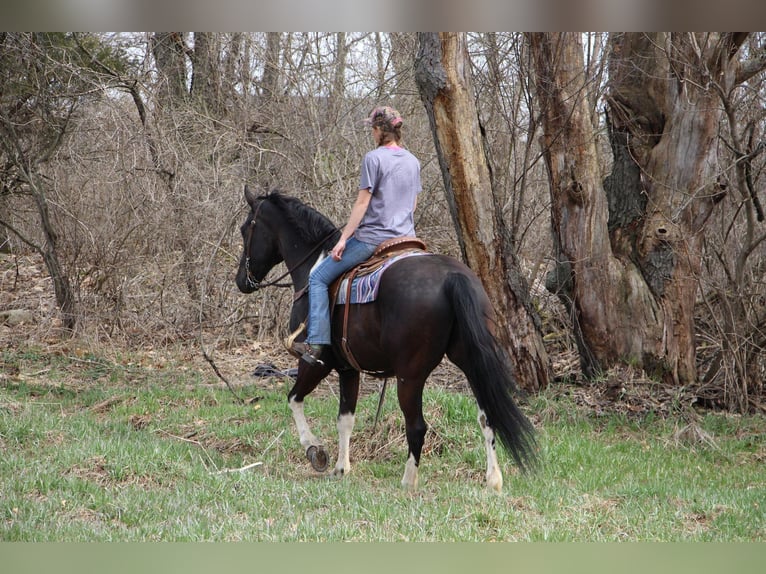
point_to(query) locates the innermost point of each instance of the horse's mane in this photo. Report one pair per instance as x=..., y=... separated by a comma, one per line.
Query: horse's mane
x=312, y=226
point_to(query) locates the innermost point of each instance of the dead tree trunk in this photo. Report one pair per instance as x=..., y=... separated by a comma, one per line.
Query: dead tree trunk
x=629, y=248
x=443, y=77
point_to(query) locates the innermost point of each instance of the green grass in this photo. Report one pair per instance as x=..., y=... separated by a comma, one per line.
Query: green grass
x=100, y=451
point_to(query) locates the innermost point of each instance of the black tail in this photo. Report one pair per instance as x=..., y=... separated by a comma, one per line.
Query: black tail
x=488, y=371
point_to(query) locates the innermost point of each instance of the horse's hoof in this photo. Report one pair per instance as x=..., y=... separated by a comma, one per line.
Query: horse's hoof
x=318, y=458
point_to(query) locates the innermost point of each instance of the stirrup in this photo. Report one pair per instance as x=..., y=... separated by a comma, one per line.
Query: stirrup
x=309, y=353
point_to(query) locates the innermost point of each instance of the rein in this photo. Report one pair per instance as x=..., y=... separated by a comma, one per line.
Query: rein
x=254, y=283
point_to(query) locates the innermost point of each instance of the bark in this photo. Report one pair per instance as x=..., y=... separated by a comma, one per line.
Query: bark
x=605, y=296
x=169, y=53
x=443, y=77
x=270, y=80
x=629, y=249
x=206, y=86
x=232, y=60
x=380, y=65
x=339, y=80
x=664, y=94
x=403, y=49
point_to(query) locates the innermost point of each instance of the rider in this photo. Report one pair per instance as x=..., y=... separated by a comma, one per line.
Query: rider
x=384, y=208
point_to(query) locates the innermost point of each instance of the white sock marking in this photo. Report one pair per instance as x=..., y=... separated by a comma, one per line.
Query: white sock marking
x=345, y=426
x=494, y=476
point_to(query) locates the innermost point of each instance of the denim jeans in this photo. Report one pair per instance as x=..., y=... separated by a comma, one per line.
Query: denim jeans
x=319, y=281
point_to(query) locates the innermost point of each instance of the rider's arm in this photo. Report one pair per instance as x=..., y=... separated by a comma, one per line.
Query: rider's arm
x=357, y=213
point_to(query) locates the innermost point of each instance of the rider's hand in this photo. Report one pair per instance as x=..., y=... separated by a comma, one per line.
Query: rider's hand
x=337, y=251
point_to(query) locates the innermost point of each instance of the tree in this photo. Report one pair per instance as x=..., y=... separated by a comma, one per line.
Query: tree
x=629, y=248
x=442, y=74
x=270, y=80
x=732, y=320
x=45, y=81
x=339, y=76
x=170, y=52
x=207, y=72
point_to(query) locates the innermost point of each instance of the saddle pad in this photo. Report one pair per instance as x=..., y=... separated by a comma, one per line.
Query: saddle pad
x=364, y=289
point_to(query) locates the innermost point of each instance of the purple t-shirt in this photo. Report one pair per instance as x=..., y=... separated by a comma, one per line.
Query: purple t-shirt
x=393, y=177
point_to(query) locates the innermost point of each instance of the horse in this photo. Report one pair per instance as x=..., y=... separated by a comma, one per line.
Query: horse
x=426, y=307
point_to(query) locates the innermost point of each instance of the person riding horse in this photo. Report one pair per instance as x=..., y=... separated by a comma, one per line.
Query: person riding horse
x=384, y=208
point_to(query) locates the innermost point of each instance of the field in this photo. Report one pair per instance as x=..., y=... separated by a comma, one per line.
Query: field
x=146, y=446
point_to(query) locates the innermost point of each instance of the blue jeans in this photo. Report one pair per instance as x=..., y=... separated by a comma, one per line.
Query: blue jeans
x=319, y=281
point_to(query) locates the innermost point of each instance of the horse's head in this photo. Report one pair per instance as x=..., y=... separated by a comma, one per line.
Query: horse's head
x=260, y=250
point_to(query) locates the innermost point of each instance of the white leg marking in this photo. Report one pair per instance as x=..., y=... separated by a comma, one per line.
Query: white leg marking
x=494, y=476
x=307, y=438
x=410, y=478
x=345, y=426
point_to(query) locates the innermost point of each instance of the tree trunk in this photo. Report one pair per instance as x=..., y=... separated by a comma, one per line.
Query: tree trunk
x=270, y=80
x=628, y=249
x=339, y=79
x=206, y=86
x=403, y=49
x=40, y=94
x=443, y=76
x=606, y=299
x=169, y=53
x=62, y=287
x=664, y=104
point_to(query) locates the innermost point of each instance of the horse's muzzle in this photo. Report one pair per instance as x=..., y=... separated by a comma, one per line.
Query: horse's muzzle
x=245, y=280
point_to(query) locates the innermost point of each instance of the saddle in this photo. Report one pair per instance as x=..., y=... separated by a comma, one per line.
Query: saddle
x=385, y=251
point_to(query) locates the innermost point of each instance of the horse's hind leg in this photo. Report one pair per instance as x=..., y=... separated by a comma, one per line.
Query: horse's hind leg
x=494, y=476
x=308, y=379
x=349, y=393
x=410, y=394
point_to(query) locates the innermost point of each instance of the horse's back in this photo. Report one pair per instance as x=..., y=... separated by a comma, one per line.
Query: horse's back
x=420, y=280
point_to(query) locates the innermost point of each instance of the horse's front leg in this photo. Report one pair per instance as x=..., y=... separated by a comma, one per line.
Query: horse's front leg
x=349, y=393
x=308, y=379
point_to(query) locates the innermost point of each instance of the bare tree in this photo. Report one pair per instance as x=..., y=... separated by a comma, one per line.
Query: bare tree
x=44, y=83
x=629, y=248
x=270, y=80
x=732, y=321
x=206, y=83
x=339, y=80
x=170, y=54
x=443, y=77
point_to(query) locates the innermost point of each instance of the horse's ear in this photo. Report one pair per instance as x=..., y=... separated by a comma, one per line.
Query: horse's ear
x=249, y=197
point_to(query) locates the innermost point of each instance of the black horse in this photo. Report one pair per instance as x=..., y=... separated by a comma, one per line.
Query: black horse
x=426, y=307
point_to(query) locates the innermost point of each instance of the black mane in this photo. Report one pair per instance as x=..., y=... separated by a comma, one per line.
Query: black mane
x=312, y=226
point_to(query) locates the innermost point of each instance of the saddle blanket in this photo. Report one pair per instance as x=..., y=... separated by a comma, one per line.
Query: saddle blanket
x=364, y=289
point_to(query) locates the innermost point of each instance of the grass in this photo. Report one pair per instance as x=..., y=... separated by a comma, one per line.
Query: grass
x=114, y=450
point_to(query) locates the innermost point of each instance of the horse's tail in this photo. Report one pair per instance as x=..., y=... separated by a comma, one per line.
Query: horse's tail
x=488, y=371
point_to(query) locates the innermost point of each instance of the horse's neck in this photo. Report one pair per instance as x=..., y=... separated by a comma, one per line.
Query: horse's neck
x=299, y=258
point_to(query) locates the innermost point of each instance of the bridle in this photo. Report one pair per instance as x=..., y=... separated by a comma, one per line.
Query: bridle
x=253, y=282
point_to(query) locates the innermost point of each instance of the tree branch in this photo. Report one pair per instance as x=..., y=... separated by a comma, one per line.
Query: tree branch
x=18, y=234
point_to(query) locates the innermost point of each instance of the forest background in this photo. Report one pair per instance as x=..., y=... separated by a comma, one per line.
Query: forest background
x=123, y=159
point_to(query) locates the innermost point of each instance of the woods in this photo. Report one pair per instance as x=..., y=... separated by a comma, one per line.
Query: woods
x=607, y=188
